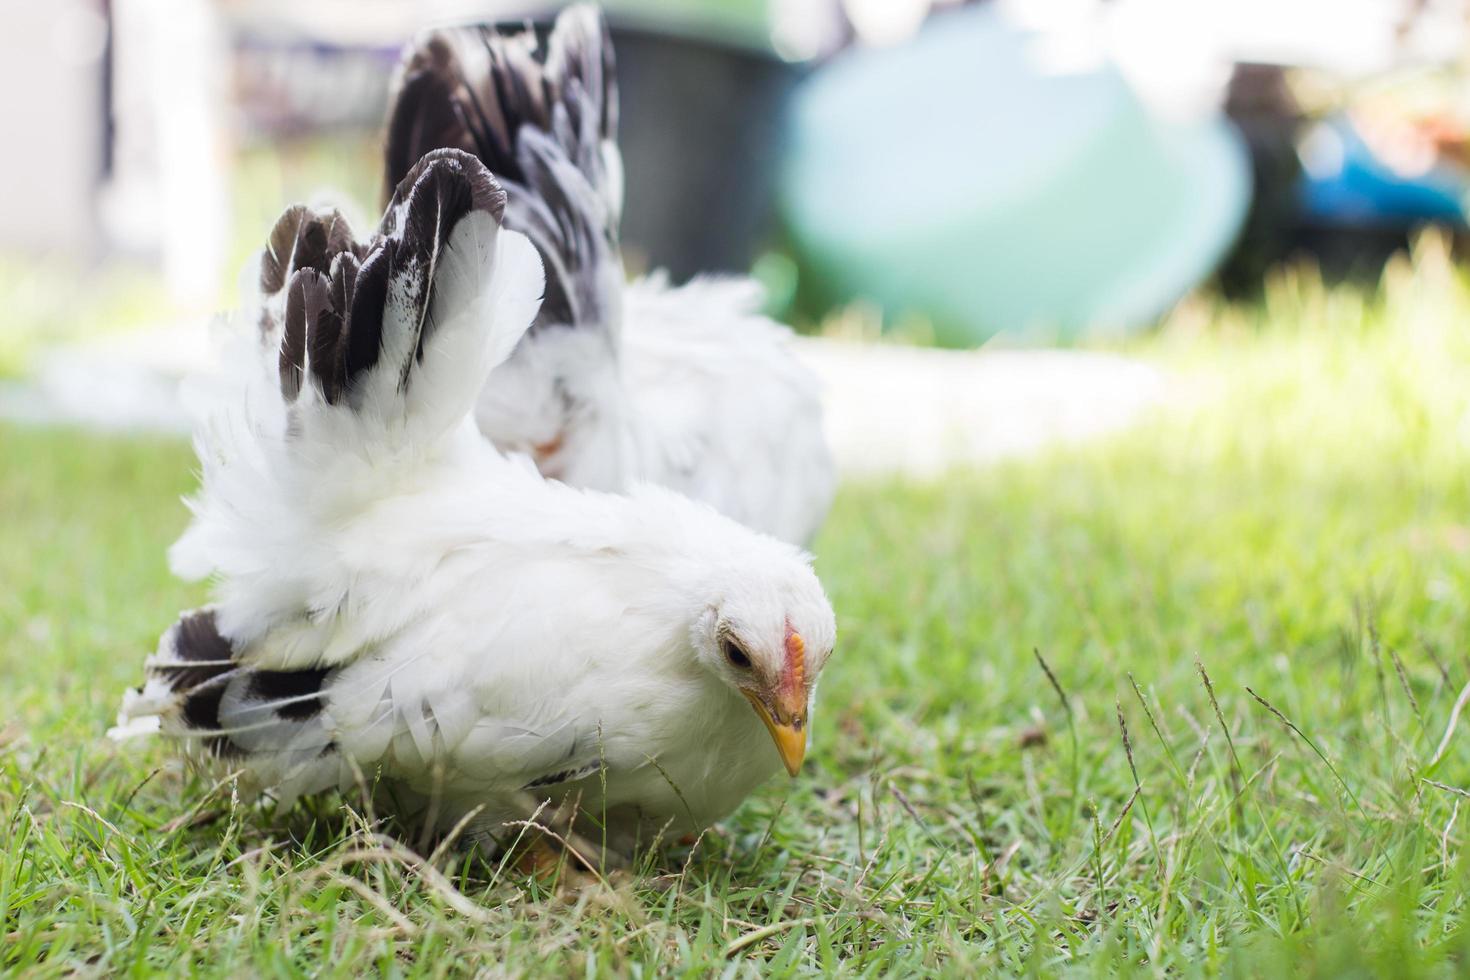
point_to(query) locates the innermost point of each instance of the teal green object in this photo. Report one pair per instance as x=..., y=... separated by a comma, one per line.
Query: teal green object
x=958, y=177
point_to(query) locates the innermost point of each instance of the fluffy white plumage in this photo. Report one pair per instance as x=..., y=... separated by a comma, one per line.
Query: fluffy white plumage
x=396, y=597
x=616, y=384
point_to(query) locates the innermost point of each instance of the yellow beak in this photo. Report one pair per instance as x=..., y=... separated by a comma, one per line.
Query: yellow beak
x=789, y=734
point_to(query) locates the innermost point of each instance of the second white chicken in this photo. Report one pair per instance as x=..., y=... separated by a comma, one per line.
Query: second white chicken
x=615, y=384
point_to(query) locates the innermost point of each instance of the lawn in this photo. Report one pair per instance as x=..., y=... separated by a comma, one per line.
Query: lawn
x=1239, y=756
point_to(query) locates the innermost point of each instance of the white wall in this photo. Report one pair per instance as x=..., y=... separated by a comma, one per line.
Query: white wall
x=51, y=114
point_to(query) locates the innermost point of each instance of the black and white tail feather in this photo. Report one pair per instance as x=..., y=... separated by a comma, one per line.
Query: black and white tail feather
x=382, y=349
x=542, y=115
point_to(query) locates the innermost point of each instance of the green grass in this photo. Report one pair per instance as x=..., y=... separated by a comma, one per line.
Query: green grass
x=1296, y=524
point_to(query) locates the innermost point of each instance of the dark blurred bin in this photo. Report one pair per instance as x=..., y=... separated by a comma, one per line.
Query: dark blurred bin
x=702, y=124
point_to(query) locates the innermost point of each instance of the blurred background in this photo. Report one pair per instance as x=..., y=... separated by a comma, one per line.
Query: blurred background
x=942, y=173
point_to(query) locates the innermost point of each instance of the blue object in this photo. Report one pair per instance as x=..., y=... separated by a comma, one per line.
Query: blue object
x=960, y=177
x=1343, y=182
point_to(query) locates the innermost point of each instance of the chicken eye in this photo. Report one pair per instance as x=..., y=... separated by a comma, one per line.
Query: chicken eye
x=736, y=656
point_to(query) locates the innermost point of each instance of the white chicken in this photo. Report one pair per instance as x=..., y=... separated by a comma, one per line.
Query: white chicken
x=615, y=383
x=396, y=597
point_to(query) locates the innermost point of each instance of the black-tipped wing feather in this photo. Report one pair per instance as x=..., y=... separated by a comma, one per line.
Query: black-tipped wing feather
x=198, y=668
x=193, y=652
x=338, y=289
x=296, y=695
x=307, y=300
x=360, y=338
x=455, y=174
x=302, y=239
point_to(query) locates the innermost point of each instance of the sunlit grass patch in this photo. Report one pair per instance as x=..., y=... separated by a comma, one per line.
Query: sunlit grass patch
x=51, y=303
